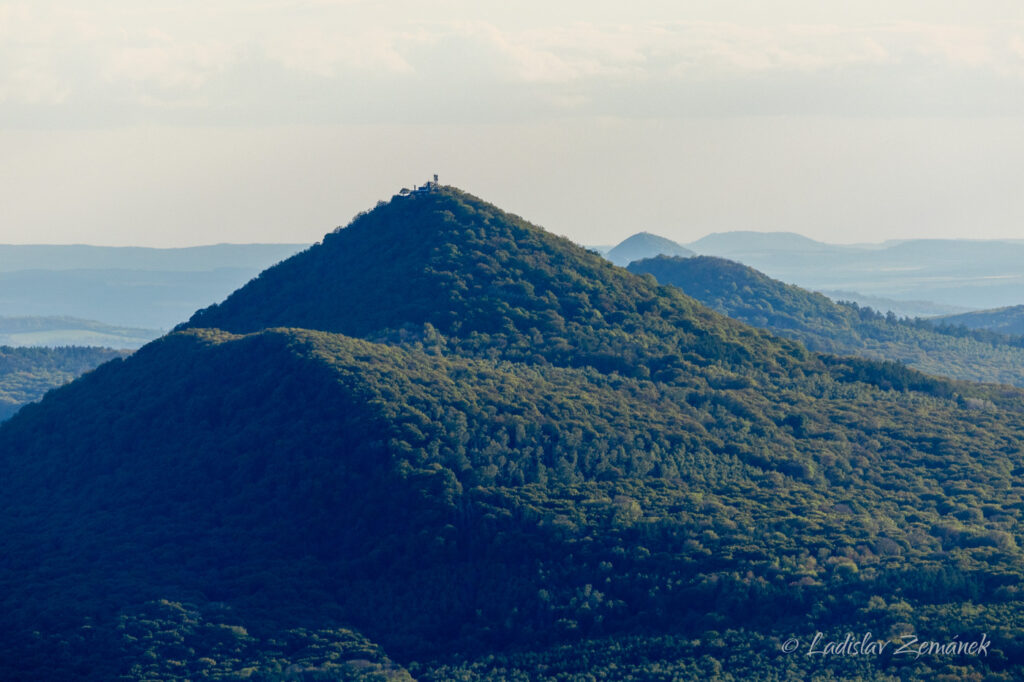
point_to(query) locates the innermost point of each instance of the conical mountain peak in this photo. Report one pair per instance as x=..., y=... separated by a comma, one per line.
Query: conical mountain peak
x=412, y=260
x=487, y=283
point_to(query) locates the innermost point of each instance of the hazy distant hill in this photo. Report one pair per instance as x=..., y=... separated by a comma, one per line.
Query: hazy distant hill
x=1008, y=320
x=644, y=245
x=70, y=331
x=15, y=257
x=811, y=318
x=899, y=308
x=124, y=298
x=964, y=273
x=960, y=253
x=531, y=464
x=27, y=373
x=126, y=287
x=743, y=242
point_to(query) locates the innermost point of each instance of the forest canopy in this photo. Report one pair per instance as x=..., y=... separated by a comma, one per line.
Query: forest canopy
x=444, y=443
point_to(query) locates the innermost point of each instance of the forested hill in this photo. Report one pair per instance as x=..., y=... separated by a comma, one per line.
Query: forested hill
x=27, y=373
x=303, y=486
x=489, y=284
x=745, y=294
x=534, y=465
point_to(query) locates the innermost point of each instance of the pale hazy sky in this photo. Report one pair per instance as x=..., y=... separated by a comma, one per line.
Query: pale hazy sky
x=175, y=122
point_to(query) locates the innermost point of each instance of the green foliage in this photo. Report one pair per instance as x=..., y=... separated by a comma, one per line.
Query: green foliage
x=170, y=640
x=532, y=465
x=27, y=373
x=494, y=286
x=843, y=328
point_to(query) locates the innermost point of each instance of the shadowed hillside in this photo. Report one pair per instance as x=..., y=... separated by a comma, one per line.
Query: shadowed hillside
x=490, y=454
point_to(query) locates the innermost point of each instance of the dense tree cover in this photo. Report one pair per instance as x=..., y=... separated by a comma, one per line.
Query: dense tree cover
x=27, y=373
x=845, y=328
x=532, y=466
x=492, y=285
x=446, y=505
x=171, y=640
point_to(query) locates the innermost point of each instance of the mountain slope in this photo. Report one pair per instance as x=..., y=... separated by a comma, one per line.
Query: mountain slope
x=256, y=450
x=644, y=245
x=823, y=325
x=433, y=500
x=536, y=465
x=492, y=285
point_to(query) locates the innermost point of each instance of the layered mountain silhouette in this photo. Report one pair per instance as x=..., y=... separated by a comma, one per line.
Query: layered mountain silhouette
x=130, y=287
x=645, y=245
x=745, y=241
x=934, y=346
x=968, y=274
x=901, y=308
x=445, y=444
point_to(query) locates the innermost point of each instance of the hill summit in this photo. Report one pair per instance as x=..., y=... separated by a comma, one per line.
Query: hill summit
x=645, y=245
x=451, y=267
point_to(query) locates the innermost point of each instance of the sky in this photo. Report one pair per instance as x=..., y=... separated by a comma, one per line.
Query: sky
x=180, y=122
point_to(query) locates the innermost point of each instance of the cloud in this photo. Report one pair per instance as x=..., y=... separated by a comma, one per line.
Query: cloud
x=346, y=60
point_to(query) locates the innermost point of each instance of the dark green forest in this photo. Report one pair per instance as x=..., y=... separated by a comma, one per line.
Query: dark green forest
x=27, y=373
x=444, y=444
x=937, y=347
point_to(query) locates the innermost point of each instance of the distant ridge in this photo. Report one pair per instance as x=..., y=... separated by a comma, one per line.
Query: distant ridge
x=644, y=245
x=739, y=241
x=132, y=287
x=15, y=257
x=70, y=331
x=961, y=273
x=902, y=308
x=1009, y=320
